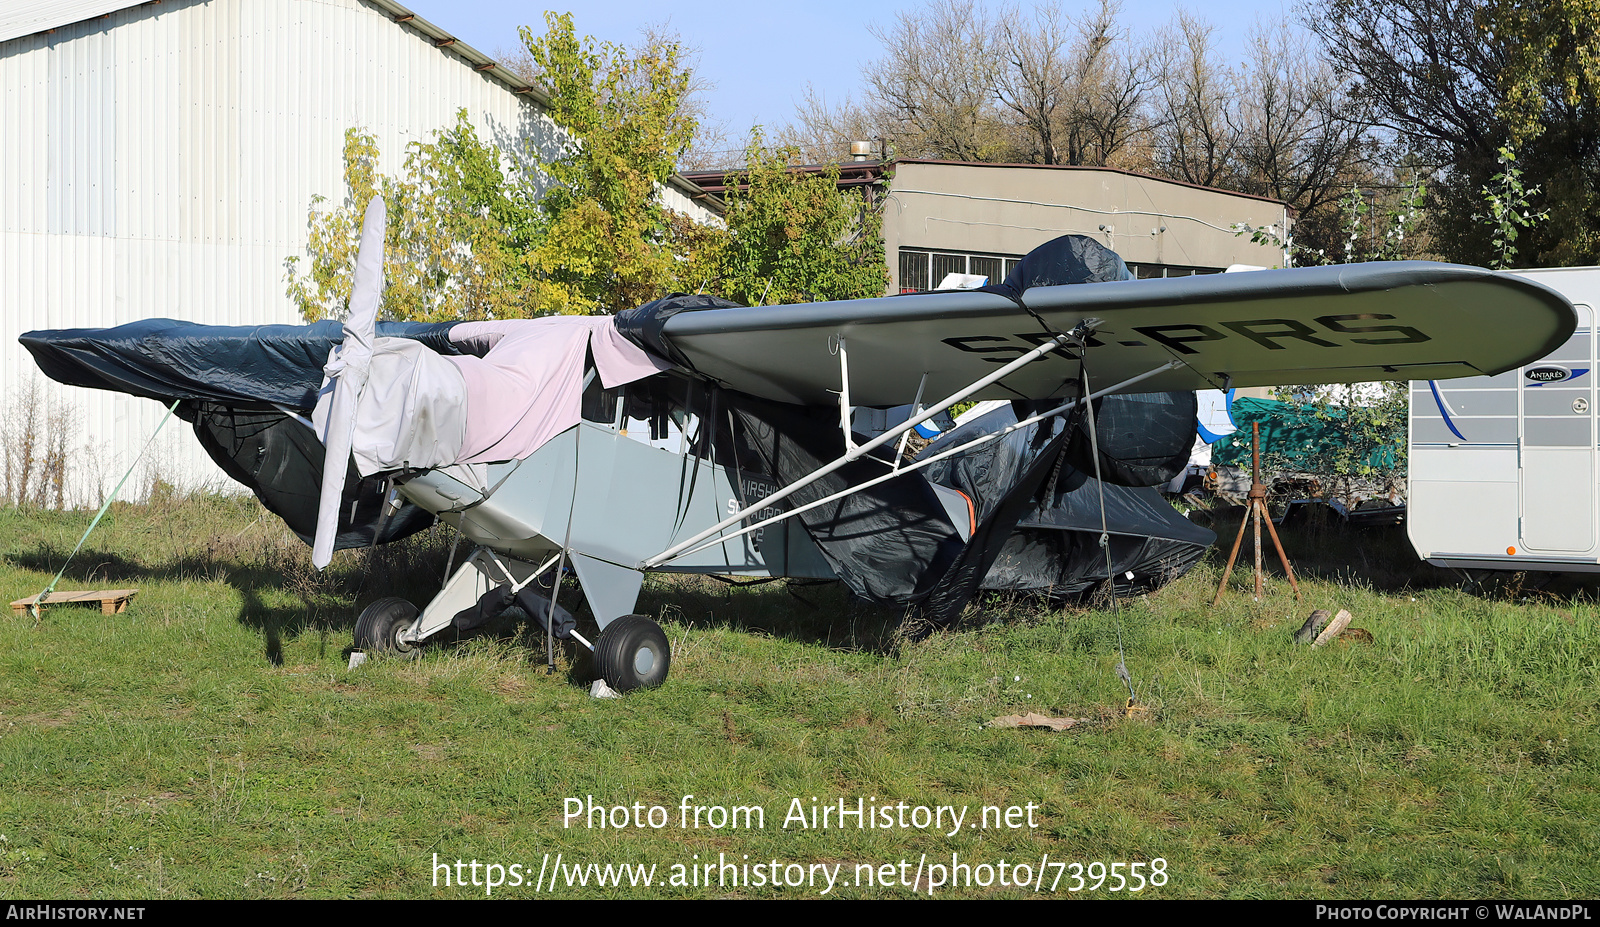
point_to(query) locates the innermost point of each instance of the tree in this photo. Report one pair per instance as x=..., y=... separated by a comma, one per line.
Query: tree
x=1074, y=99
x=707, y=150
x=933, y=92
x=469, y=234
x=1197, y=132
x=795, y=236
x=602, y=238
x=1457, y=80
x=1551, y=107
x=1508, y=212
x=457, y=232
x=1302, y=139
x=960, y=81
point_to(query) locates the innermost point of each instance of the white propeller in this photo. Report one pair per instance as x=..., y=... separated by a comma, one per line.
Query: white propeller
x=347, y=369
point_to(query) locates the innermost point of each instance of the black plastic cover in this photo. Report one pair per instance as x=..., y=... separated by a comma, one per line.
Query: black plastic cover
x=1043, y=520
x=1001, y=479
x=1145, y=439
x=889, y=543
x=1056, y=547
x=280, y=460
x=232, y=381
x=1068, y=259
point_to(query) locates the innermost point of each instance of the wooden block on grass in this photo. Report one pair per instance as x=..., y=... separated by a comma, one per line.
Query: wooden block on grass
x=1338, y=624
x=111, y=601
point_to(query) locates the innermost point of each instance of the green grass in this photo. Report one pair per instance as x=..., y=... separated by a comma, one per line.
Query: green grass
x=210, y=743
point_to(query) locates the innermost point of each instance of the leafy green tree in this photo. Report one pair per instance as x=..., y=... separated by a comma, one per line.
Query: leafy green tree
x=602, y=242
x=467, y=239
x=795, y=236
x=1550, y=84
x=457, y=232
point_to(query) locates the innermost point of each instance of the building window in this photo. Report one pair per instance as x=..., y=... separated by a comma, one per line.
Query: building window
x=944, y=264
x=1147, y=271
x=913, y=271
x=923, y=270
x=991, y=267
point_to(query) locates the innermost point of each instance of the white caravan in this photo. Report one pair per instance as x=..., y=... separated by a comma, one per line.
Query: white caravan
x=1503, y=469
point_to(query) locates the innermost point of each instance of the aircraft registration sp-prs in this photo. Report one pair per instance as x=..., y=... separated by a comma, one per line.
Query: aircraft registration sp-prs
x=759, y=462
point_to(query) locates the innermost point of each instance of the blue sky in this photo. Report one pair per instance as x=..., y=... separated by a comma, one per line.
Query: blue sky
x=760, y=57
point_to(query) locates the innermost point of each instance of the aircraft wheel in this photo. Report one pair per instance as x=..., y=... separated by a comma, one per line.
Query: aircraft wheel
x=632, y=653
x=378, y=628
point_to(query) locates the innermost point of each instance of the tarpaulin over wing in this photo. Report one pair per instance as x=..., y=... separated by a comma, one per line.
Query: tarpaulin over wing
x=164, y=359
x=1068, y=259
x=643, y=324
x=888, y=543
x=230, y=378
x=435, y=396
x=1001, y=479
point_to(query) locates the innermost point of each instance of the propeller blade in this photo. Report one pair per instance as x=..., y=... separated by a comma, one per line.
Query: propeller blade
x=347, y=370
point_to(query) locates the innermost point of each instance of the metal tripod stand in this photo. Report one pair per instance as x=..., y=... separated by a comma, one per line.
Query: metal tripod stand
x=1256, y=512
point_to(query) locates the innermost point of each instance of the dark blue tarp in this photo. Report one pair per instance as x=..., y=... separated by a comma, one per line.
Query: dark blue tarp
x=164, y=359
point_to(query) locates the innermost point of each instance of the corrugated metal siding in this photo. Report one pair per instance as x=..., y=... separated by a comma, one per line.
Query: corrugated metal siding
x=25, y=17
x=161, y=162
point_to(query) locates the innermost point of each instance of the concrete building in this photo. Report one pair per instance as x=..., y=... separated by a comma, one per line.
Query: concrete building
x=944, y=217
x=159, y=159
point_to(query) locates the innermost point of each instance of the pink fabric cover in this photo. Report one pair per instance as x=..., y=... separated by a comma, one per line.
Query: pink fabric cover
x=529, y=387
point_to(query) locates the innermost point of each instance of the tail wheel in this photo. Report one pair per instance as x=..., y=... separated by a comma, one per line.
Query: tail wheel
x=378, y=629
x=632, y=653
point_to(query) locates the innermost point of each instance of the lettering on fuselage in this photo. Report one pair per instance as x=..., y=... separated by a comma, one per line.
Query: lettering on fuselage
x=1329, y=331
x=754, y=490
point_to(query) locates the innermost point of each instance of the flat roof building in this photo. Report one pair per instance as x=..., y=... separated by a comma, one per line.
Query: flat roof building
x=942, y=217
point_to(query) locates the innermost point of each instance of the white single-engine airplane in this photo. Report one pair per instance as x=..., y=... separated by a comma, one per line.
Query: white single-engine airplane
x=517, y=432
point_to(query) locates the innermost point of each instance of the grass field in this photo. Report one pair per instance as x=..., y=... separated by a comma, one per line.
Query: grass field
x=210, y=742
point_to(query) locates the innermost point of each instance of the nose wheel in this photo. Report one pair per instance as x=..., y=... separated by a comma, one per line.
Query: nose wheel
x=632, y=653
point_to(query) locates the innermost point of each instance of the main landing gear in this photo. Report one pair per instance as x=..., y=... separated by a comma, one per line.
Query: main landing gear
x=632, y=652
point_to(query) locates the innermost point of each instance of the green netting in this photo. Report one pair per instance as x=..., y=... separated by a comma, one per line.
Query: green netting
x=1293, y=437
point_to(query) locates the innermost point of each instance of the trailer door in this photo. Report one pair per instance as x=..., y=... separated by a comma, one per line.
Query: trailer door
x=1558, y=445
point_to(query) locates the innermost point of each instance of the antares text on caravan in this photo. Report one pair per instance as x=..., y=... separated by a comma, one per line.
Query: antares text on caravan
x=799, y=814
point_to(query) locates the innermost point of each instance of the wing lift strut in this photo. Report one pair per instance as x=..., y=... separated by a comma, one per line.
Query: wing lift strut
x=713, y=536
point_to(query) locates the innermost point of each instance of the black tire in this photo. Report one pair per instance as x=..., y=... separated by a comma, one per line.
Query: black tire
x=380, y=624
x=632, y=653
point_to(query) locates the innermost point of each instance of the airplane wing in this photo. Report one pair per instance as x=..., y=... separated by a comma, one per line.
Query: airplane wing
x=1399, y=320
